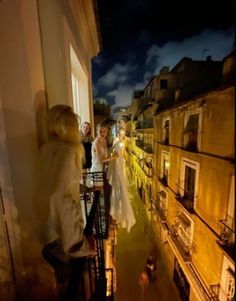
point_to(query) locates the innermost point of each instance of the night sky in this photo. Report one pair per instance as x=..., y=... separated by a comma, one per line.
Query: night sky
x=139, y=37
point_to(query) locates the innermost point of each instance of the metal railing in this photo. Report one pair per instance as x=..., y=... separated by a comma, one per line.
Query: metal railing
x=160, y=207
x=162, y=177
x=186, y=199
x=95, y=193
x=227, y=236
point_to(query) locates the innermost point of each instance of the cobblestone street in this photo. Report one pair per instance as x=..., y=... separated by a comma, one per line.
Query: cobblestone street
x=132, y=251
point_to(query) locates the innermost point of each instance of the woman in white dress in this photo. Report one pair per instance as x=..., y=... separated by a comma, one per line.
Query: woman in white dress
x=100, y=153
x=121, y=209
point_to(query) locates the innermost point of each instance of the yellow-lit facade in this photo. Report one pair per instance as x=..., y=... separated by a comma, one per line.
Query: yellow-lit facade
x=193, y=193
x=192, y=182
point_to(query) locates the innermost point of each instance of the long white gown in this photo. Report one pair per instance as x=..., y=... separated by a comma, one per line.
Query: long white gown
x=121, y=209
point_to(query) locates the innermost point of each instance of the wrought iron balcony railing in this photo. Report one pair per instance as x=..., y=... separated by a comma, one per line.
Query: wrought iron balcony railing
x=146, y=147
x=95, y=193
x=162, y=177
x=227, y=236
x=160, y=207
x=186, y=199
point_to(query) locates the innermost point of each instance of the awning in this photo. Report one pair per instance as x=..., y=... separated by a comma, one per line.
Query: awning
x=192, y=124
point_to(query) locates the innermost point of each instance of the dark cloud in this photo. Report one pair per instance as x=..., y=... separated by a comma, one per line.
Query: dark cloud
x=141, y=36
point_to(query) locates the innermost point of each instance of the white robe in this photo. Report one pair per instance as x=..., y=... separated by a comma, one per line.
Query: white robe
x=121, y=209
x=57, y=199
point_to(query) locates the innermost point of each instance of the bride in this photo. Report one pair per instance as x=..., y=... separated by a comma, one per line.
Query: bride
x=121, y=210
x=100, y=154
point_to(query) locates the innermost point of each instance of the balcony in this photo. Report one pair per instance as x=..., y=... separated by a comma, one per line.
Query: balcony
x=160, y=207
x=90, y=280
x=227, y=236
x=162, y=178
x=146, y=147
x=145, y=124
x=186, y=199
x=148, y=170
x=183, y=246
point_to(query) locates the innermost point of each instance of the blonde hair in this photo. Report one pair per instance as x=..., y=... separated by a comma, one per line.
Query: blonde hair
x=63, y=124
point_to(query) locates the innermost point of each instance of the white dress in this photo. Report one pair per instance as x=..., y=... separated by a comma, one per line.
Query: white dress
x=121, y=209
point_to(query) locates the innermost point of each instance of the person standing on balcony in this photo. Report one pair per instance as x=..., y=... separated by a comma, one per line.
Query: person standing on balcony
x=99, y=150
x=121, y=209
x=87, y=139
x=60, y=222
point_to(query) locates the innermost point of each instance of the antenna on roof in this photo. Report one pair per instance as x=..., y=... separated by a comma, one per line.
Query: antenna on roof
x=204, y=51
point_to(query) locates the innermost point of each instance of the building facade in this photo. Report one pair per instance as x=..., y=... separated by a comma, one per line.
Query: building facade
x=193, y=188
x=46, y=51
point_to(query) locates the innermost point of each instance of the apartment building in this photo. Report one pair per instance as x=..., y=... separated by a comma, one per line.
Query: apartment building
x=46, y=51
x=193, y=183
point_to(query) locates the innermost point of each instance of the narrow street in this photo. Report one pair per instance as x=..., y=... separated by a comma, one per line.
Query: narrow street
x=132, y=251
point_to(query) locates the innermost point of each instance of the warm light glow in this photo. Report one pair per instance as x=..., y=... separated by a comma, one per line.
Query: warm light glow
x=167, y=164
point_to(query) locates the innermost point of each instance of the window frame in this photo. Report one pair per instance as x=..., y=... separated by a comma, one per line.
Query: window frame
x=194, y=165
x=163, y=132
x=163, y=155
x=186, y=118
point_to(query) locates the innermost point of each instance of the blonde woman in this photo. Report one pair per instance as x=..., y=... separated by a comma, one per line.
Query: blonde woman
x=100, y=153
x=60, y=218
x=121, y=209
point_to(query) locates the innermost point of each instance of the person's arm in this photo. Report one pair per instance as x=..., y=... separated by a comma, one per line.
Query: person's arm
x=101, y=157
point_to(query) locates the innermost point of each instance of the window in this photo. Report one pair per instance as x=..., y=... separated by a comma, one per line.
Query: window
x=192, y=131
x=79, y=87
x=75, y=94
x=165, y=164
x=166, y=131
x=163, y=84
x=227, y=285
x=162, y=201
x=189, y=176
x=231, y=202
x=189, y=182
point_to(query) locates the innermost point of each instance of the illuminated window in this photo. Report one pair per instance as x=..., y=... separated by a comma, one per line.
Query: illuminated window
x=165, y=164
x=75, y=94
x=79, y=87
